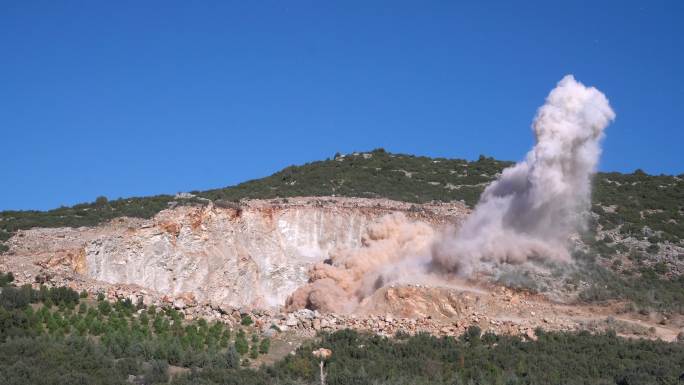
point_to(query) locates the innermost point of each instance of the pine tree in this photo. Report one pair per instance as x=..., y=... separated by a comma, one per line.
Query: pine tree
x=241, y=344
x=265, y=345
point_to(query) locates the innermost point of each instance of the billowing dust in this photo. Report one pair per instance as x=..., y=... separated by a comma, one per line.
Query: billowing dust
x=527, y=213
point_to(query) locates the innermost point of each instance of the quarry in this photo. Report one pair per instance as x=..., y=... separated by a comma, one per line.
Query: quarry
x=220, y=263
x=332, y=193
x=521, y=258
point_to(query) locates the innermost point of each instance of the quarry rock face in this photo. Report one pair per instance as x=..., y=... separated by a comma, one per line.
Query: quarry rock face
x=224, y=261
x=249, y=255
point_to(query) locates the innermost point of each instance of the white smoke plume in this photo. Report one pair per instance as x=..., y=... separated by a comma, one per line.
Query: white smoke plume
x=528, y=212
x=535, y=205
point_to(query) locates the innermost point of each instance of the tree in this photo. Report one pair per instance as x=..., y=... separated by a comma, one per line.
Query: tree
x=13, y=298
x=104, y=307
x=241, y=344
x=254, y=351
x=265, y=345
x=232, y=358
x=225, y=338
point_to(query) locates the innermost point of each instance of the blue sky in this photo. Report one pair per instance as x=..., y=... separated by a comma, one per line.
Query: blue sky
x=131, y=98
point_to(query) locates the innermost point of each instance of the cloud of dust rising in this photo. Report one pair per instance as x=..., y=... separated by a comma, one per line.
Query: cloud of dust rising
x=535, y=205
x=528, y=212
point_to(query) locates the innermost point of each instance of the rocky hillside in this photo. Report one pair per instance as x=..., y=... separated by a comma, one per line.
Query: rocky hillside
x=206, y=245
x=249, y=255
x=629, y=201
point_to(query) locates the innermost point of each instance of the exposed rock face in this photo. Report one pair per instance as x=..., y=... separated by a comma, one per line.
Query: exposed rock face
x=222, y=261
x=253, y=255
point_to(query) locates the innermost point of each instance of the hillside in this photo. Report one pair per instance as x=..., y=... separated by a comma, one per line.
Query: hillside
x=372, y=175
x=58, y=336
x=201, y=284
x=631, y=200
x=633, y=248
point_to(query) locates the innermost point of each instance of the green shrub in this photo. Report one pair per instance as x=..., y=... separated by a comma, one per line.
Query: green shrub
x=157, y=372
x=254, y=351
x=265, y=346
x=104, y=307
x=246, y=320
x=6, y=278
x=241, y=345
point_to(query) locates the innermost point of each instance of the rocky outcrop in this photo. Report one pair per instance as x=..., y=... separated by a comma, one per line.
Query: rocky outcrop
x=223, y=262
x=252, y=254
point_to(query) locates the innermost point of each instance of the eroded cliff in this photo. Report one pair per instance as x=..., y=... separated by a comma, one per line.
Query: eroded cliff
x=252, y=254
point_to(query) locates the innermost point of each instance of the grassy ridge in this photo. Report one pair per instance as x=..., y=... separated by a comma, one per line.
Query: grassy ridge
x=377, y=174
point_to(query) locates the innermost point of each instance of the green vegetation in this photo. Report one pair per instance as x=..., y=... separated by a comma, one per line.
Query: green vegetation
x=555, y=358
x=241, y=345
x=659, y=199
x=641, y=200
x=265, y=345
x=6, y=279
x=85, y=214
x=378, y=174
x=245, y=320
x=639, y=205
x=647, y=289
x=73, y=340
x=45, y=340
x=401, y=177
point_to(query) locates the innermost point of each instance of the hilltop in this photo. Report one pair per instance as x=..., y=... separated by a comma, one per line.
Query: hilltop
x=632, y=247
x=628, y=201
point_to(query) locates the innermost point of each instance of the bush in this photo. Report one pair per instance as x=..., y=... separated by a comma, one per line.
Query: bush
x=157, y=372
x=246, y=320
x=15, y=298
x=265, y=346
x=241, y=345
x=6, y=279
x=254, y=351
x=104, y=307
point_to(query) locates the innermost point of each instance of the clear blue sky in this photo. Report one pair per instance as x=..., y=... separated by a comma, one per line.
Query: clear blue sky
x=131, y=98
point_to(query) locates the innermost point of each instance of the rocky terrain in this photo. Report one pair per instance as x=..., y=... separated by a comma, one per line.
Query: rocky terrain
x=224, y=261
x=244, y=250
x=253, y=254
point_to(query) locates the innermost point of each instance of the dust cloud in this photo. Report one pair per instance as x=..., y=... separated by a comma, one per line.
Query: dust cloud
x=528, y=212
